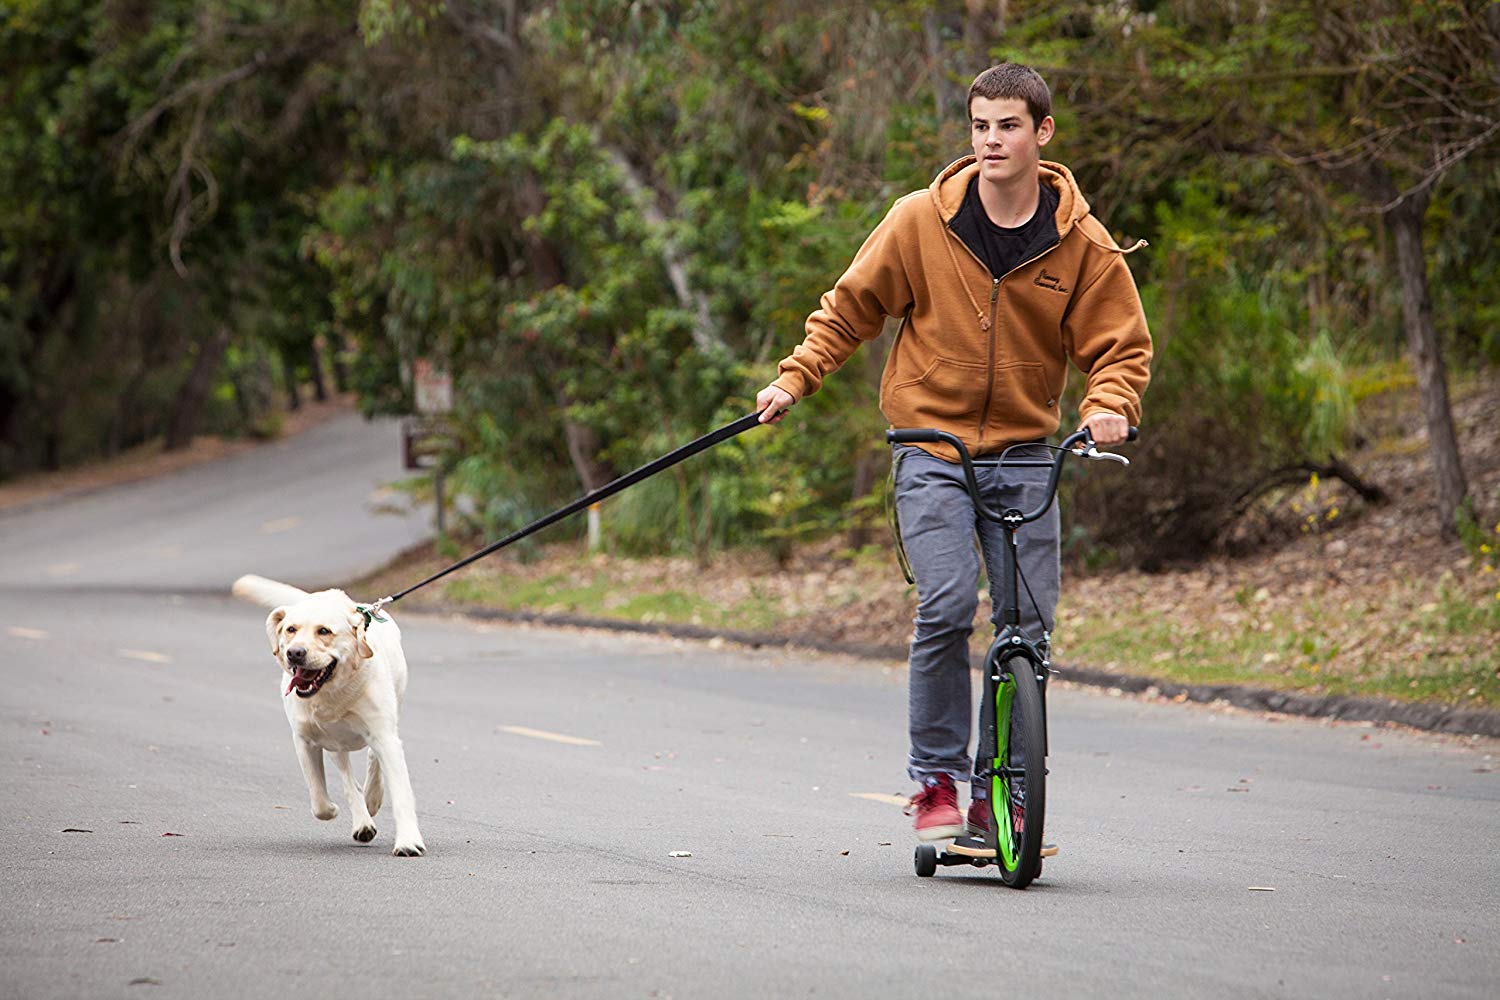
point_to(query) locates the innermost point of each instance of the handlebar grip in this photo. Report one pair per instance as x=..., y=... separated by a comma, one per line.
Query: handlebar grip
x=922, y=435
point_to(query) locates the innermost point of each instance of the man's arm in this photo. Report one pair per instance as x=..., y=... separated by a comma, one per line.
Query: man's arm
x=1106, y=337
x=853, y=311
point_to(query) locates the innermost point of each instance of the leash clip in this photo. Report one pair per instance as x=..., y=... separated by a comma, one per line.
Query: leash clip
x=372, y=611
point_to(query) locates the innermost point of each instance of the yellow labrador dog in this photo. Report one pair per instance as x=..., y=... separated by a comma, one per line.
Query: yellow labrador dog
x=342, y=692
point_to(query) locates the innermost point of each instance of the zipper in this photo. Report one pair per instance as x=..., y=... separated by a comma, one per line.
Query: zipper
x=989, y=369
x=987, y=323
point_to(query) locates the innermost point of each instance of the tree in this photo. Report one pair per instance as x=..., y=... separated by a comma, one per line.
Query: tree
x=1422, y=95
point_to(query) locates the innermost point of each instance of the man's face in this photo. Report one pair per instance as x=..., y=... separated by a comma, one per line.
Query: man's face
x=1005, y=141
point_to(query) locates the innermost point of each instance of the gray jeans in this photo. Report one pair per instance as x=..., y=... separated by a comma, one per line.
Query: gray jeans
x=938, y=529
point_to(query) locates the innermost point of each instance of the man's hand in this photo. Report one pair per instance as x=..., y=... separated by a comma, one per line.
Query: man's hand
x=773, y=404
x=1108, y=428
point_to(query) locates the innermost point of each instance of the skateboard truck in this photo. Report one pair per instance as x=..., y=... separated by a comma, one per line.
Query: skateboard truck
x=964, y=850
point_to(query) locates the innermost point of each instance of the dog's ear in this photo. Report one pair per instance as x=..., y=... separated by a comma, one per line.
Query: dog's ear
x=273, y=629
x=358, y=625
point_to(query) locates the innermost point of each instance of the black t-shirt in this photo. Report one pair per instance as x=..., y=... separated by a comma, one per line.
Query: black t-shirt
x=1002, y=249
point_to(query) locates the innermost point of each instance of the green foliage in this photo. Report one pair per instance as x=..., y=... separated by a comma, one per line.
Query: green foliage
x=1232, y=367
x=610, y=220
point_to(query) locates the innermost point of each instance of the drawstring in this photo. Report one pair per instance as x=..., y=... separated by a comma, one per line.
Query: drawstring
x=1112, y=249
x=950, y=236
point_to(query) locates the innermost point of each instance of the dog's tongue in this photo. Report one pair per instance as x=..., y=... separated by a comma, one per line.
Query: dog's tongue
x=301, y=679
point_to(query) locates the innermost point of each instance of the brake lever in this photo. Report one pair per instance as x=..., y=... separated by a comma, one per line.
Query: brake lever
x=1100, y=456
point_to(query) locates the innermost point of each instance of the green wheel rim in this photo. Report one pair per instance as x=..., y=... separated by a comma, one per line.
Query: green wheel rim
x=999, y=787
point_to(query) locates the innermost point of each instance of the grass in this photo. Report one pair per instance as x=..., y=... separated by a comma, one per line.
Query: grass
x=1407, y=640
x=598, y=595
x=1407, y=644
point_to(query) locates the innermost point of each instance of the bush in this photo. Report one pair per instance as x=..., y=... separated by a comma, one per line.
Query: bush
x=1237, y=390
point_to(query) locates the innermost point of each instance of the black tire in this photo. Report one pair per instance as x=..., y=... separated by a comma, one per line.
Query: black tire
x=1028, y=740
x=926, y=860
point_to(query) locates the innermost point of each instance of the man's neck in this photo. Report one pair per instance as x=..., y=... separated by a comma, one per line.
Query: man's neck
x=1011, y=204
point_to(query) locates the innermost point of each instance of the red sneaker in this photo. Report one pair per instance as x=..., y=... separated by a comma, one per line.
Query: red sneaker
x=936, y=810
x=979, y=823
x=979, y=818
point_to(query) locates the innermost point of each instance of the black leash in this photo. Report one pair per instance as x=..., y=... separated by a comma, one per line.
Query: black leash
x=372, y=611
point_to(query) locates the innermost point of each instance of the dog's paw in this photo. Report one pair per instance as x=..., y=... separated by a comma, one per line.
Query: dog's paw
x=414, y=849
x=326, y=811
x=364, y=834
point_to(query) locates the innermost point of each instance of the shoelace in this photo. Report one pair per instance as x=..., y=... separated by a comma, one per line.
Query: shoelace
x=931, y=795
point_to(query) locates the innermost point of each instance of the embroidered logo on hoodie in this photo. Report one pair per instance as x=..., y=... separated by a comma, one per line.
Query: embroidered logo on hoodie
x=1050, y=281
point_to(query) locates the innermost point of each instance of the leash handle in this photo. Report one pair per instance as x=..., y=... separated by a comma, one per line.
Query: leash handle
x=607, y=490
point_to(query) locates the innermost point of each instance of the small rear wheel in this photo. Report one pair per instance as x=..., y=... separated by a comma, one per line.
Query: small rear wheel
x=926, y=860
x=1018, y=791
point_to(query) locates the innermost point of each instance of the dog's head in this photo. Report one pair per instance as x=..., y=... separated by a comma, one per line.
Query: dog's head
x=316, y=637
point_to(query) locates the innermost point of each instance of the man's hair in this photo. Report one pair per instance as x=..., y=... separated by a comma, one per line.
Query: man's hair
x=1013, y=80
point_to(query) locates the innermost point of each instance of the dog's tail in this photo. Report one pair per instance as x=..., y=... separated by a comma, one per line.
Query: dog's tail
x=266, y=593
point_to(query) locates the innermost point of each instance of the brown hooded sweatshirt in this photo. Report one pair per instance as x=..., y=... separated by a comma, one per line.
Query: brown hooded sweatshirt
x=984, y=358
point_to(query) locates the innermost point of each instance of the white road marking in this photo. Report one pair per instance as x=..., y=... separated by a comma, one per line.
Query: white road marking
x=25, y=633
x=542, y=734
x=892, y=800
x=144, y=654
x=282, y=524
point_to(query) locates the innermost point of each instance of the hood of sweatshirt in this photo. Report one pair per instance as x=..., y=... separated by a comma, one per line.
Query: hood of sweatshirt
x=949, y=187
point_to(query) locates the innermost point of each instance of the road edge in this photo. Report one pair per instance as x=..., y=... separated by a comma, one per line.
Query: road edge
x=1424, y=716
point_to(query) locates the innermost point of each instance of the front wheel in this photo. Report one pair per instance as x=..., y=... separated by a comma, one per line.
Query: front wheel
x=926, y=860
x=1018, y=787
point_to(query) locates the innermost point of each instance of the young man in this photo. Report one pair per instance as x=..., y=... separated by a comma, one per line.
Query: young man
x=1000, y=277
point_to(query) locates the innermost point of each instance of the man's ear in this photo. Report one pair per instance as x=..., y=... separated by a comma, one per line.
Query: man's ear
x=1045, y=131
x=273, y=629
x=359, y=625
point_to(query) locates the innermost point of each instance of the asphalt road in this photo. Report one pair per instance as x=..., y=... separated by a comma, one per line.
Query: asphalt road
x=556, y=772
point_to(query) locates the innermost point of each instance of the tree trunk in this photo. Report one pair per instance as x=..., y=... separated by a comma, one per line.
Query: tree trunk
x=11, y=447
x=125, y=409
x=583, y=447
x=187, y=408
x=984, y=22
x=315, y=364
x=289, y=381
x=334, y=351
x=242, y=405
x=1405, y=224
x=695, y=302
x=936, y=29
x=19, y=401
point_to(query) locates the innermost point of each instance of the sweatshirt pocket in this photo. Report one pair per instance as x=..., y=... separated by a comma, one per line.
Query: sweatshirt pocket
x=1020, y=406
x=948, y=394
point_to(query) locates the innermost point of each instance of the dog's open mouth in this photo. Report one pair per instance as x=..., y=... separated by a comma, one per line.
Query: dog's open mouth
x=307, y=682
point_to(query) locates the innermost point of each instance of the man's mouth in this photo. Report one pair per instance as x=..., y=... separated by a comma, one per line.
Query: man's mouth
x=306, y=682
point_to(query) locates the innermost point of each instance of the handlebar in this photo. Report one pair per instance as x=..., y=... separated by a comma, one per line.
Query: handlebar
x=1073, y=444
x=929, y=435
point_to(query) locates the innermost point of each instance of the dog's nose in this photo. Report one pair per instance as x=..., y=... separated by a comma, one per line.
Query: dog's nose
x=296, y=655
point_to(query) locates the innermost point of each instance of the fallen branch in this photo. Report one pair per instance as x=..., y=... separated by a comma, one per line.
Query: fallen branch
x=1298, y=473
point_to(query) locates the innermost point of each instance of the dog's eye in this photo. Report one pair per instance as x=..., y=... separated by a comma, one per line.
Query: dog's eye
x=291, y=630
x=324, y=630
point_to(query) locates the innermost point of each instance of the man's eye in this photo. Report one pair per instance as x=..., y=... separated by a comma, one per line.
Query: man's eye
x=324, y=630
